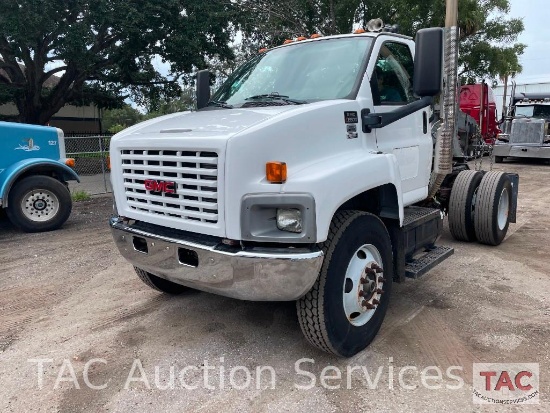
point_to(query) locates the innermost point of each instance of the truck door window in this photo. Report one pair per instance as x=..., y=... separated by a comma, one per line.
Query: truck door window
x=391, y=82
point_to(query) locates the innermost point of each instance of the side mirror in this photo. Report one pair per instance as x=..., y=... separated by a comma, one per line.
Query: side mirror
x=428, y=62
x=203, y=88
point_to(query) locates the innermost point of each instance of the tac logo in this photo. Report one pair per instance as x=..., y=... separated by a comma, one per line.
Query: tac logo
x=506, y=383
x=160, y=186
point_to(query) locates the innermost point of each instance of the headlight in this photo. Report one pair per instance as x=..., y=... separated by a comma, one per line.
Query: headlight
x=289, y=220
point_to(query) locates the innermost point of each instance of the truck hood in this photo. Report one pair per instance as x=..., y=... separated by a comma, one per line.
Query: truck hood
x=222, y=123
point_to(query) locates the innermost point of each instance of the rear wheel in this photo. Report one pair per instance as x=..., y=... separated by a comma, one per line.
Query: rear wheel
x=494, y=203
x=344, y=310
x=39, y=203
x=159, y=284
x=462, y=205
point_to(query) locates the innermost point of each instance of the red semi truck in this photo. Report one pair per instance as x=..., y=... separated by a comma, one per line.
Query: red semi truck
x=478, y=101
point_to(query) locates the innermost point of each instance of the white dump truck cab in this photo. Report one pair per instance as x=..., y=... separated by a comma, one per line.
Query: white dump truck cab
x=306, y=176
x=526, y=130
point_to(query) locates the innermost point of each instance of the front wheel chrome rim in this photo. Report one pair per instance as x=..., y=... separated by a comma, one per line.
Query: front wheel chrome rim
x=363, y=285
x=503, y=209
x=39, y=205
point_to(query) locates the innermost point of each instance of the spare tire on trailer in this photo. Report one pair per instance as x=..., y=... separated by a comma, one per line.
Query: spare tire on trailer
x=462, y=205
x=493, y=206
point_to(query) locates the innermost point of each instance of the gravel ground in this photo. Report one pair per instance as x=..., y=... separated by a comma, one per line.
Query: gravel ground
x=67, y=297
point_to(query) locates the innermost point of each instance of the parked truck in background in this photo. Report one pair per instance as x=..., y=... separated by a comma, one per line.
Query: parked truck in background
x=526, y=128
x=34, y=173
x=310, y=175
x=478, y=101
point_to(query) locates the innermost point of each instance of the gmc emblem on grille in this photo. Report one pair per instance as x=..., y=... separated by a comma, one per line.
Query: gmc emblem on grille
x=160, y=186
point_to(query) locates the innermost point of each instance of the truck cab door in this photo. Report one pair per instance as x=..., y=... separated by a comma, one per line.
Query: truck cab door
x=391, y=76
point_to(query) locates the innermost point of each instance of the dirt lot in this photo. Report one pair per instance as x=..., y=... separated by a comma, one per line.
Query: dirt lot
x=68, y=297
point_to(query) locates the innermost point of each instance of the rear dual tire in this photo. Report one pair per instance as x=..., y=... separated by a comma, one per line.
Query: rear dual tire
x=493, y=208
x=479, y=207
x=462, y=205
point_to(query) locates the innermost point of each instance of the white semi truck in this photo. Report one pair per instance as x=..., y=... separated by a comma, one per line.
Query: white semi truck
x=310, y=175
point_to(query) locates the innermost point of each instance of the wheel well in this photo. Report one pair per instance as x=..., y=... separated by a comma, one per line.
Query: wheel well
x=47, y=170
x=381, y=201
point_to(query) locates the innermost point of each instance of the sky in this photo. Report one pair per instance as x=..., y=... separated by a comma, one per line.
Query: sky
x=536, y=58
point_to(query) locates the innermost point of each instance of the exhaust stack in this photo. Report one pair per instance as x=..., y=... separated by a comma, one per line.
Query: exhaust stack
x=443, y=162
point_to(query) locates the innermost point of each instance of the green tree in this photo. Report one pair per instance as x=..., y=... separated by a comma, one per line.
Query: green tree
x=115, y=119
x=103, y=50
x=488, y=36
x=185, y=101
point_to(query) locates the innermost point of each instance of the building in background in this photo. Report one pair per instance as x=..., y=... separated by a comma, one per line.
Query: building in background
x=521, y=87
x=71, y=119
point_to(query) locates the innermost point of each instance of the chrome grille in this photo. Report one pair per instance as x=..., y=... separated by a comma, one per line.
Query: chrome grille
x=195, y=174
x=527, y=131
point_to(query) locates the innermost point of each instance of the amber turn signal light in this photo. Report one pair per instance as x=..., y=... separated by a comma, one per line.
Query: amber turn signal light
x=275, y=172
x=109, y=163
x=70, y=162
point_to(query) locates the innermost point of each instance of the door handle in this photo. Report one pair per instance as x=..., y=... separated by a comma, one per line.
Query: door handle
x=425, y=122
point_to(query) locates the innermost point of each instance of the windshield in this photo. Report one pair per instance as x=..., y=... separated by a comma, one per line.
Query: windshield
x=535, y=111
x=320, y=70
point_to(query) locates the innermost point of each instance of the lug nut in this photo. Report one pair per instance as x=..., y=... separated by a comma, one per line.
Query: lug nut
x=379, y=291
x=377, y=268
x=381, y=280
x=368, y=305
x=369, y=271
x=362, y=293
x=364, y=281
x=375, y=302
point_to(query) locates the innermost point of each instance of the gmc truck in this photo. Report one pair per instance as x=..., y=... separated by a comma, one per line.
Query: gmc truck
x=310, y=175
x=34, y=174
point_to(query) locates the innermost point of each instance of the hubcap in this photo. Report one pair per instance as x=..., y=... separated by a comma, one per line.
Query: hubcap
x=363, y=285
x=39, y=205
x=503, y=209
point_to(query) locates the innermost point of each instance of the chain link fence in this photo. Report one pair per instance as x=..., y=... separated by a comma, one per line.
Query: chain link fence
x=90, y=152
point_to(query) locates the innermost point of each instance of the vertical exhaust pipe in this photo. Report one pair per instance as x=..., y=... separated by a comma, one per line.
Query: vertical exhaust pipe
x=443, y=162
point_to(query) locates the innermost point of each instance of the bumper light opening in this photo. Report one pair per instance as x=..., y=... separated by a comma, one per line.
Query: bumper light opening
x=140, y=244
x=188, y=257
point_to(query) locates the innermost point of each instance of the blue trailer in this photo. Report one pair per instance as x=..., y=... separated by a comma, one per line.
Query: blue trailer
x=34, y=176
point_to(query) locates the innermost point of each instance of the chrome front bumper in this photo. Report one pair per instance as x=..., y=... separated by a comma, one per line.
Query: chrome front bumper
x=268, y=275
x=521, y=151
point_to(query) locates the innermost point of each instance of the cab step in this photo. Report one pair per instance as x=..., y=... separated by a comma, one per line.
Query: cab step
x=419, y=266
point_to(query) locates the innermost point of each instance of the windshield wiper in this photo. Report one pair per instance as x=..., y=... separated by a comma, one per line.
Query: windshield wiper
x=275, y=95
x=220, y=104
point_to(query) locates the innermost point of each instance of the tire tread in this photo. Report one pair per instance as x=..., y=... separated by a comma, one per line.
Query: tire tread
x=458, y=205
x=310, y=307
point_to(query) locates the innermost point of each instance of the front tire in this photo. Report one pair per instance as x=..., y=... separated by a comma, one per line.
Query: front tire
x=345, y=308
x=39, y=203
x=159, y=284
